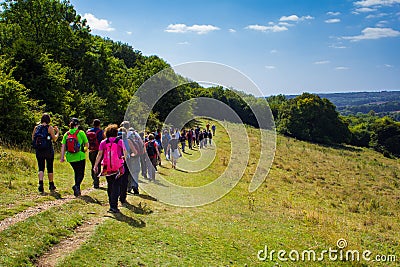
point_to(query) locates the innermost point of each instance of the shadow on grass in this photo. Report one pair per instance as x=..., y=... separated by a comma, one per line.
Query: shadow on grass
x=128, y=220
x=179, y=170
x=139, y=209
x=89, y=199
x=147, y=197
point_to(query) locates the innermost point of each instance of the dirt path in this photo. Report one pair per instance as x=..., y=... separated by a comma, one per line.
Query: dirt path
x=68, y=245
x=4, y=224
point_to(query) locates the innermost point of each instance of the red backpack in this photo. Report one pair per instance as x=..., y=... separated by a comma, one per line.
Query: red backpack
x=93, y=140
x=72, y=143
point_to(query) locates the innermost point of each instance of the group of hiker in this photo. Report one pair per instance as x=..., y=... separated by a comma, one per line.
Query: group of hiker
x=118, y=152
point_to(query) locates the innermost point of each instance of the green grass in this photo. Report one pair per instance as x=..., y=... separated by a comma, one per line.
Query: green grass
x=313, y=196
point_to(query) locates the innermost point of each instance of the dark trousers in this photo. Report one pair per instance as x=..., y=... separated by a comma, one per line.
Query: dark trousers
x=143, y=165
x=124, y=184
x=92, y=158
x=79, y=170
x=113, y=190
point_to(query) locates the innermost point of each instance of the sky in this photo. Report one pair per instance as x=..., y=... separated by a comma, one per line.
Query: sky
x=283, y=46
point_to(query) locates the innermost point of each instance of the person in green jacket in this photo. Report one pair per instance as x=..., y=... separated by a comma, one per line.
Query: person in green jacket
x=74, y=146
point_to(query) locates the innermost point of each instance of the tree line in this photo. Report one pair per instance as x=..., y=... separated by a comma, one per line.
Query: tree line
x=50, y=62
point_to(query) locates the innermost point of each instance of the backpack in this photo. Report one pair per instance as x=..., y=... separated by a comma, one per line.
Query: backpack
x=137, y=145
x=72, y=143
x=112, y=163
x=40, y=138
x=93, y=140
x=151, y=149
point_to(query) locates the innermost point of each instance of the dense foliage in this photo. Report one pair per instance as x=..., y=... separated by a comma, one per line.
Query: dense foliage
x=55, y=64
x=50, y=62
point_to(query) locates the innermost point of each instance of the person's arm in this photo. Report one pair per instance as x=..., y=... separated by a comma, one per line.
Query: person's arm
x=62, y=158
x=33, y=133
x=54, y=136
x=98, y=159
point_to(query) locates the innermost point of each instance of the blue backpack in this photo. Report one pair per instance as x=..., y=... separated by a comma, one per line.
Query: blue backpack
x=41, y=138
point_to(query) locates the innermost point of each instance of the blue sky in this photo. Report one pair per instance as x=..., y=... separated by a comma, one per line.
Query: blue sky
x=284, y=46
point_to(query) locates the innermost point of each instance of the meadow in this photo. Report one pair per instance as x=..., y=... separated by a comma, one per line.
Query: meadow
x=312, y=197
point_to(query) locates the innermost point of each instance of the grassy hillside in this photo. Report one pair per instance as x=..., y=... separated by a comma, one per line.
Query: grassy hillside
x=312, y=197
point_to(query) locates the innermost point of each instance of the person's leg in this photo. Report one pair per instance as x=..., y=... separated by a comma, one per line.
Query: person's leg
x=41, y=166
x=135, y=167
x=143, y=165
x=79, y=170
x=113, y=187
x=50, y=172
x=123, y=184
x=152, y=168
x=115, y=192
x=92, y=158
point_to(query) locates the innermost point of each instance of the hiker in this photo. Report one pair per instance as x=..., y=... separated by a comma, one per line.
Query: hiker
x=94, y=136
x=111, y=153
x=152, y=155
x=197, y=132
x=213, y=129
x=164, y=141
x=210, y=136
x=201, y=139
x=143, y=157
x=133, y=160
x=208, y=127
x=175, y=150
x=74, y=146
x=42, y=137
x=205, y=138
x=182, y=140
x=157, y=138
x=122, y=134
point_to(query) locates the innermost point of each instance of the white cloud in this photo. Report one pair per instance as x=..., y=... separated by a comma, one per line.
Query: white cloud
x=388, y=66
x=341, y=68
x=270, y=67
x=330, y=13
x=184, y=43
x=322, y=62
x=382, y=23
x=129, y=33
x=264, y=28
x=373, y=34
x=285, y=24
x=365, y=9
x=337, y=46
x=332, y=20
x=183, y=28
x=373, y=16
x=98, y=24
x=295, y=18
x=273, y=51
x=232, y=30
x=369, y=3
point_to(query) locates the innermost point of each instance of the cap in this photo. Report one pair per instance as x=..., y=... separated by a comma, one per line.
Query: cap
x=74, y=121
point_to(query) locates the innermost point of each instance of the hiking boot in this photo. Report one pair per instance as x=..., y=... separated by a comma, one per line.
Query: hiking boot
x=77, y=192
x=41, y=188
x=135, y=191
x=52, y=187
x=113, y=210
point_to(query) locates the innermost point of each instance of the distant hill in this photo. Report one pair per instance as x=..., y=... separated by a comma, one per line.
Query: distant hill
x=382, y=103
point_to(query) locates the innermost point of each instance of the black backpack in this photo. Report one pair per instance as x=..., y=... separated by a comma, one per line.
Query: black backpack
x=151, y=149
x=40, y=138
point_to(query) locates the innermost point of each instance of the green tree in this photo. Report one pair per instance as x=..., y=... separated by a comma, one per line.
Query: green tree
x=311, y=118
x=386, y=136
